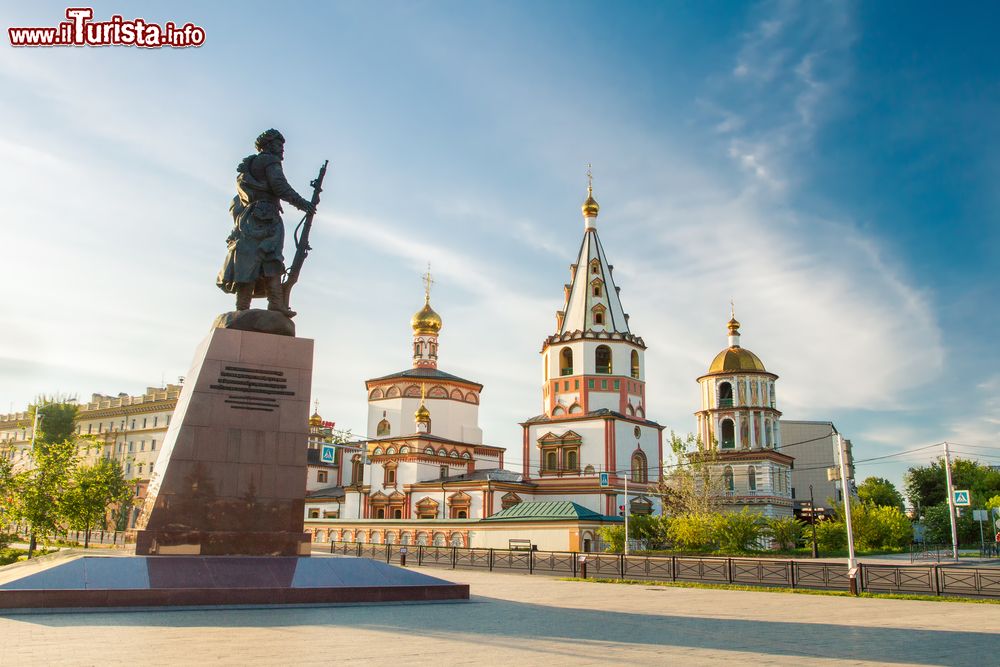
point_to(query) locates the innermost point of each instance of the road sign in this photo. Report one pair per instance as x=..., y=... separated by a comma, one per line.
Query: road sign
x=979, y=515
x=605, y=479
x=961, y=497
x=327, y=454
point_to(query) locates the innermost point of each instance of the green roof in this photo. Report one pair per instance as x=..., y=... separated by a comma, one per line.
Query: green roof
x=559, y=510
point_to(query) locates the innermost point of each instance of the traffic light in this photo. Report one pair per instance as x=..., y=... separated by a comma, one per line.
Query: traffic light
x=621, y=510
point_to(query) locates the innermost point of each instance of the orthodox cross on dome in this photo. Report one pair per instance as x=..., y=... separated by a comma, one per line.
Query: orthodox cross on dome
x=428, y=281
x=316, y=405
x=590, y=178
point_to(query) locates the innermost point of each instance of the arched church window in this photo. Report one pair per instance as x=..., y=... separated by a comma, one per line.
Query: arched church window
x=598, y=317
x=589, y=470
x=439, y=540
x=728, y=434
x=635, y=364
x=639, y=467
x=566, y=361
x=768, y=434
x=572, y=460
x=558, y=410
x=550, y=461
x=575, y=409
x=752, y=478
x=602, y=355
x=725, y=395
x=727, y=479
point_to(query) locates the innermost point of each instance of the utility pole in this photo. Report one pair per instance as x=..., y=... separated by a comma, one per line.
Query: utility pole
x=951, y=502
x=812, y=517
x=852, y=562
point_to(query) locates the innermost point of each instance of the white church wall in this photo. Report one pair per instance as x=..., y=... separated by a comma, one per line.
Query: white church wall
x=450, y=419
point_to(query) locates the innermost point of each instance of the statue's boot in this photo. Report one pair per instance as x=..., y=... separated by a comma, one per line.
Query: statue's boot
x=244, y=294
x=275, y=296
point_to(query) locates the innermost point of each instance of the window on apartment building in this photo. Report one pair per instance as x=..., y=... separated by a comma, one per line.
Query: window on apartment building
x=100, y=427
x=131, y=446
x=139, y=467
x=322, y=475
x=90, y=429
x=133, y=425
x=142, y=445
x=155, y=419
x=128, y=468
x=151, y=468
x=152, y=445
x=144, y=422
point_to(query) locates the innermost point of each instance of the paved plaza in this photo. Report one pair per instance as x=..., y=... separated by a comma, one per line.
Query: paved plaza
x=518, y=619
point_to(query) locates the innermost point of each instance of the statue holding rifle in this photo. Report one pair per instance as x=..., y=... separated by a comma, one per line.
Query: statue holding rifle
x=255, y=263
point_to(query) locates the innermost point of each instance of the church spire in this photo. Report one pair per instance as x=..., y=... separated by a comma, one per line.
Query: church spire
x=592, y=302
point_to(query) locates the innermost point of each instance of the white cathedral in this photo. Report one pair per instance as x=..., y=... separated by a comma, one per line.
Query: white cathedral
x=425, y=476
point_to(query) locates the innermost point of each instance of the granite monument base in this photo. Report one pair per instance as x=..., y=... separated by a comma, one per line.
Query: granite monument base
x=231, y=476
x=155, y=581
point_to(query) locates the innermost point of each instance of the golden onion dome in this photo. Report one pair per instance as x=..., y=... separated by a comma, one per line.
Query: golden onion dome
x=315, y=420
x=590, y=207
x=422, y=415
x=425, y=320
x=736, y=359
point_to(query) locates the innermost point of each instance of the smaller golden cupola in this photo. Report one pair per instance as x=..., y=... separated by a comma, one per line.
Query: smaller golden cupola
x=590, y=207
x=422, y=416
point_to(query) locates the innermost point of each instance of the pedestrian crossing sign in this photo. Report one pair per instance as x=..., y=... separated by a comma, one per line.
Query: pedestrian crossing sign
x=327, y=453
x=961, y=497
x=605, y=481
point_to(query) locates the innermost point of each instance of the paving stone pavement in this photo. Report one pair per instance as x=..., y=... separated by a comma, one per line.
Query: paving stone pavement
x=525, y=620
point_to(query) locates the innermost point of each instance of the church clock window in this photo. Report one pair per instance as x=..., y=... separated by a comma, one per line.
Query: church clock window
x=566, y=361
x=602, y=355
x=635, y=364
x=728, y=434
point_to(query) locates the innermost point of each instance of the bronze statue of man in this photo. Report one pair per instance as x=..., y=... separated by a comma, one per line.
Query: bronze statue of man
x=255, y=263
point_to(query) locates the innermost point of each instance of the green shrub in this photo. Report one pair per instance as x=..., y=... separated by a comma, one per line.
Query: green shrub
x=692, y=531
x=785, y=531
x=831, y=535
x=738, y=532
x=614, y=538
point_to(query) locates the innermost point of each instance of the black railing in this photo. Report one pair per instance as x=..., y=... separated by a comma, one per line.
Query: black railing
x=772, y=572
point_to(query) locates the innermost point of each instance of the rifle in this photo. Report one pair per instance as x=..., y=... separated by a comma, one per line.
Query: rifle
x=302, y=247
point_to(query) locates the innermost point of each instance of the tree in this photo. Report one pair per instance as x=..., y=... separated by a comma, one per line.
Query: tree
x=693, y=485
x=36, y=494
x=937, y=526
x=926, y=485
x=37, y=497
x=92, y=491
x=880, y=492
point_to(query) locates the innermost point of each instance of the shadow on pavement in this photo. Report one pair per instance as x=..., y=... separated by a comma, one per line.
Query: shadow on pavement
x=488, y=621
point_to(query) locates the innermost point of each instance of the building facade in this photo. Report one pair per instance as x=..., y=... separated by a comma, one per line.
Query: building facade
x=814, y=444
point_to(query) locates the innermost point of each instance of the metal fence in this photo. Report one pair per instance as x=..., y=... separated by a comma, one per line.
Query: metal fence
x=875, y=578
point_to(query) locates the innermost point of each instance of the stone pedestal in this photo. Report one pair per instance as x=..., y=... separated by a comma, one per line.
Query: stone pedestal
x=231, y=477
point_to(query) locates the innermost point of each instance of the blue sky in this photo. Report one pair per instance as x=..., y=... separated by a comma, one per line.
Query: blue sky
x=831, y=166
